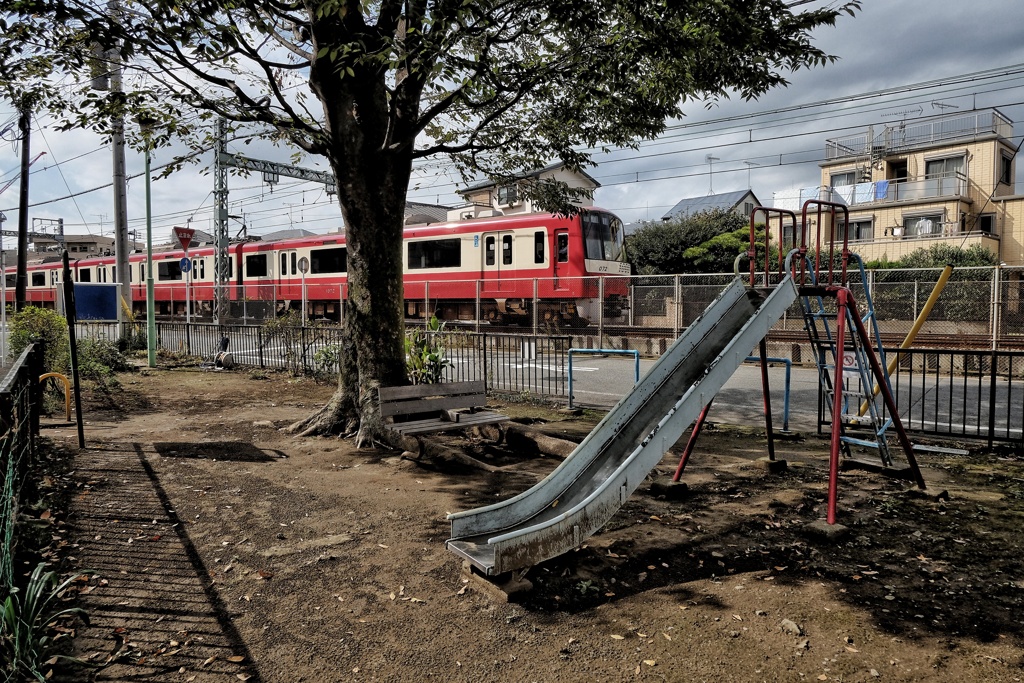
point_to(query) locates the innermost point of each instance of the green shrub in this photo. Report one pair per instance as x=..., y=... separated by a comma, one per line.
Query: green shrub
x=42, y=324
x=425, y=353
x=27, y=641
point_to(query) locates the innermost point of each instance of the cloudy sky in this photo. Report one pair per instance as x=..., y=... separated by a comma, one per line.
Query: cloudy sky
x=898, y=60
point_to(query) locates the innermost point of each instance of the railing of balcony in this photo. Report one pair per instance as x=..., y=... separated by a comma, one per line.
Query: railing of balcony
x=902, y=189
x=939, y=130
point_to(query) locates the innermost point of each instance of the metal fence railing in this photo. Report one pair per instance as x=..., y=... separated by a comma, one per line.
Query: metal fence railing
x=954, y=393
x=20, y=399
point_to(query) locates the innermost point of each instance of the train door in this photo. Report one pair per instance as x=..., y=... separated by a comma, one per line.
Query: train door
x=289, y=287
x=260, y=285
x=498, y=265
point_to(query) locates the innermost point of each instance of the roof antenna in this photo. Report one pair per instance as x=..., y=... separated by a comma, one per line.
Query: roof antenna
x=711, y=173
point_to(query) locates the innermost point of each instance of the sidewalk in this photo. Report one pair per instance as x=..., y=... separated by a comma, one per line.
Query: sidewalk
x=155, y=613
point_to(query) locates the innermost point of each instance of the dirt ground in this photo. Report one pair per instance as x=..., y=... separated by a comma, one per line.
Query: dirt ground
x=228, y=549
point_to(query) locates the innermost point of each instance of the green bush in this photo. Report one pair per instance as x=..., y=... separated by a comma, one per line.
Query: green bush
x=42, y=324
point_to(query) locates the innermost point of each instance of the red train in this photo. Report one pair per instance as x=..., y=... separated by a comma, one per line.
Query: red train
x=509, y=264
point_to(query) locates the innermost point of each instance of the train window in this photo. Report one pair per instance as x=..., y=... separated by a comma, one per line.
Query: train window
x=142, y=272
x=85, y=275
x=295, y=267
x=506, y=250
x=333, y=260
x=202, y=269
x=435, y=254
x=168, y=270
x=602, y=236
x=284, y=264
x=563, y=247
x=113, y=273
x=489, y=250
x=256, y=265
x=38, y=279
x=538, y=246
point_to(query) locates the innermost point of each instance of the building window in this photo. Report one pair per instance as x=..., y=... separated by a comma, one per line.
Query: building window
x=748, y=208
x=987, y=223
x=256, y=265
x=538, y=246
x=922, y=226
x=841, y=179
x=1006, y=169
x=861, y=229
x=947, y=167
x=445, y=253
x=508, y=194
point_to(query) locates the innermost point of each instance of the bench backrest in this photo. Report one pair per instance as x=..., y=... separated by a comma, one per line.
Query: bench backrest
x=424, y=398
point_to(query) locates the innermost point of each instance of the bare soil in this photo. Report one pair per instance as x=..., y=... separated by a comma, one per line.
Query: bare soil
x=228, y=549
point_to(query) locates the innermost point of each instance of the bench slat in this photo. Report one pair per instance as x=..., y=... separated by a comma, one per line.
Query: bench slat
x=426, y=405
x=388, y=394
x=438, y=399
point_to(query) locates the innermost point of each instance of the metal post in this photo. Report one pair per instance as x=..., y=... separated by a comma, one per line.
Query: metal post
x=536, y=306
x=150, y=296
x=21, y=279
x=303, y=298
x=675, y=306
x=600, y=311
x=479, y=310
x=996, y=305
x=837, y=407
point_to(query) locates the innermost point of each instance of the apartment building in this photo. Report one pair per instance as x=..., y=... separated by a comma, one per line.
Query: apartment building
x=916, y=183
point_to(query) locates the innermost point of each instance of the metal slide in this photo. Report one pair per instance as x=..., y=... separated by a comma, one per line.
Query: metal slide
x=578, y=497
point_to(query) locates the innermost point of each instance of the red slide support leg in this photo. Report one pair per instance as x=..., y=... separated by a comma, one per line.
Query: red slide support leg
x=692, y=441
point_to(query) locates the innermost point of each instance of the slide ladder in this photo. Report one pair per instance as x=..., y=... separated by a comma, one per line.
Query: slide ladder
x=586, y=489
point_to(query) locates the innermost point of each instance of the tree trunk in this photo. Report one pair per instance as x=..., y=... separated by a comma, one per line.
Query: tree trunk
x=373, y=179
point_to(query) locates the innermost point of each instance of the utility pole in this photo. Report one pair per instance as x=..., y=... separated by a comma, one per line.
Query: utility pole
x=120, y=191
x=21, y=281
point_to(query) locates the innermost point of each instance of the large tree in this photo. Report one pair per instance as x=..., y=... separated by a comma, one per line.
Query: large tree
x=495, y=86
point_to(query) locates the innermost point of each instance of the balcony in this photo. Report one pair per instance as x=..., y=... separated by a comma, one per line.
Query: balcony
x=901, y=189
x=878, y=192
x=935, y=132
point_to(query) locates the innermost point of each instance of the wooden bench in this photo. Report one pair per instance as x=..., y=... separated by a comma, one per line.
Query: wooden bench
x=425, y=408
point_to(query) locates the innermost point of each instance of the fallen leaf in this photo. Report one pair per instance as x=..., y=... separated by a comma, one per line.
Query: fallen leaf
x=208, y=661
x=851, y=649
x=667, y=636
x=237, y=659
x=266, y=575
x=243, y=677
x=382, y=546
x=46, y=515
x=616, y=636
x=650, y=662
x=822, y=677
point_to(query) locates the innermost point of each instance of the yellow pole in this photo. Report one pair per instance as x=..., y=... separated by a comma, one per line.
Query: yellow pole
x=918, y=324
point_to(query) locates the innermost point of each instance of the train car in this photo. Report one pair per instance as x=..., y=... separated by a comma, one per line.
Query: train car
x=503, y=269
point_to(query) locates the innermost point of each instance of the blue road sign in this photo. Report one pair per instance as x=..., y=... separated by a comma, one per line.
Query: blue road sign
x=186, y=264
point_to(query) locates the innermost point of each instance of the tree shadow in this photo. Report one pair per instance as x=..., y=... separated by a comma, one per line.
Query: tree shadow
x=230, y=451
